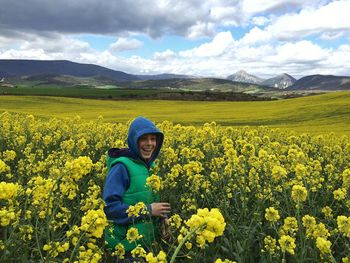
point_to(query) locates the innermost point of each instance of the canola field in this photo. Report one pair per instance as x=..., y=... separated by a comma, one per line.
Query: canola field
x=237, y=194
x=318, y=114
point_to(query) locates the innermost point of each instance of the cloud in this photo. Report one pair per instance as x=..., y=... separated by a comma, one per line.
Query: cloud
x=123, y=44
x=333, y=17
x=151, y=17
x=218, y=46
x=255, y=36
x=260, y=20
x=165, y=55
x=273, y=38
x=251, y=7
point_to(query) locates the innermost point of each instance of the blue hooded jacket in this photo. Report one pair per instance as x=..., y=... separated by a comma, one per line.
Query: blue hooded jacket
x=118, y=181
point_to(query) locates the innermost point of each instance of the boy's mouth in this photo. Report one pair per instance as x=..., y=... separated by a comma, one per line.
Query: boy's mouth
x=147, y=151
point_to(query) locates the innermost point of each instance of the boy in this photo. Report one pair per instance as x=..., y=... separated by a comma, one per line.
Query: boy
x=125, y=185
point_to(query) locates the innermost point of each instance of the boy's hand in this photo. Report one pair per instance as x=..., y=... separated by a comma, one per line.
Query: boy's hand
x=160, y=209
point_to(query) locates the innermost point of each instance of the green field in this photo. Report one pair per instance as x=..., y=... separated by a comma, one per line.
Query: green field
x=314, y=114
x=78, y=92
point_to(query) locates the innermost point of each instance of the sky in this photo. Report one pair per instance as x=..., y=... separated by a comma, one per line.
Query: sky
x=209, y=38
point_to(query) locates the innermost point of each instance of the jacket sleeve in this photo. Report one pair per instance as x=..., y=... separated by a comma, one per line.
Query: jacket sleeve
x=116, y=184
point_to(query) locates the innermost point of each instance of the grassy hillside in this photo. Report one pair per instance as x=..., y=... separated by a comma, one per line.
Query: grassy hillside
x=314, y=114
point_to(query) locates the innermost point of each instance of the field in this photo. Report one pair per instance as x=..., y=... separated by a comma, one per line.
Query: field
x=317, y=114
x=237, y=194
x=240, y=191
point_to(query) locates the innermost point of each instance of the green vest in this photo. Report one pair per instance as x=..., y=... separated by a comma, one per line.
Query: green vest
x=137, y=192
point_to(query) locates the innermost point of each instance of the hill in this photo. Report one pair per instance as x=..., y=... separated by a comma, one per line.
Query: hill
x=15, y=67
x=322, y=82
x=282, y=81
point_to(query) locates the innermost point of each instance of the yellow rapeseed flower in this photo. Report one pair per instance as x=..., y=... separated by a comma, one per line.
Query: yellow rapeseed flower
x=344, y=225
x=160, y=258
x=137, y=209
x=299, y=193
x=287, y=244
x=8, y=190
x=138, y=252
x=133, y=234
x=270, y=245
x=94, y=222
x=339, y=194
x=119, y=251
x=271, y=214
x=323, y=245
x=154, y=182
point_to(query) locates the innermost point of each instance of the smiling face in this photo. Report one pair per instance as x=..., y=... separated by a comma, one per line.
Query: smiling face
x=147, y=144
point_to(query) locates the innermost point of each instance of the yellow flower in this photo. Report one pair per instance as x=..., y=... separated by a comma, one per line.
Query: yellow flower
x=137, y=209
x=287, y=243
x=160, y=258
x=323, y=245
x=175, y=221
x=344, y=225
x=138, y=252
x=319, y=230
x=3, y=167
x=346, y=260
x=278, y=173
x=299, y=193
x=270, y=245
x=327, y=211
x=290, y=226
x=188, y=245
x=219, y=260
x=210, y=224
x=119, y=251
x=133, y=234
x=94, y=222
x=309, y=221
x=346, y=178
x=154, y=182
x=339, y=194
x=8, y=190
x=271, y=214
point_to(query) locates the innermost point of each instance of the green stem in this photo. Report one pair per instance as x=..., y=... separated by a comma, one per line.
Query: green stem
x=189, y=234
x=76, y=245
x=37, y=240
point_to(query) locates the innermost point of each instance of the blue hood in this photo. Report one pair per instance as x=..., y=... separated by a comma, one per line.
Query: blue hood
x=141, y=126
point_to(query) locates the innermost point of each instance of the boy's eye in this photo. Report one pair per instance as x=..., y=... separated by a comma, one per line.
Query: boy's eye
x=146, y=138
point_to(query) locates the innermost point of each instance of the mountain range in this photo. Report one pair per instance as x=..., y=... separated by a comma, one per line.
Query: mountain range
x=52, y=69
x=282, y=81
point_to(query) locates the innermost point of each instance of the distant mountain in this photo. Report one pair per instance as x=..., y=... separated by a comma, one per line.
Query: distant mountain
x=282, y=81
x=163, y=76
x=59, y=67
x=322, y=82
x=243, y=76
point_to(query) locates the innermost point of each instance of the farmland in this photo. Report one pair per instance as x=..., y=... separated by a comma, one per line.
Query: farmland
x=272, y=195
x=312, y=114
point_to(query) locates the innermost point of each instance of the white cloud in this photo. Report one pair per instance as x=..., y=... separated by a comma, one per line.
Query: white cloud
x=328, y=18
x=226, y=15
x=254, y=36
x=332, y=35
x=251, y=7
x=165, y=55
x=260, y=20
x=123, y=44
x=220, y=43
x=275, y=45
x=55, y=44
x=25, y=54
x=200, y=29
